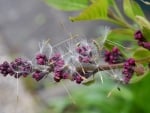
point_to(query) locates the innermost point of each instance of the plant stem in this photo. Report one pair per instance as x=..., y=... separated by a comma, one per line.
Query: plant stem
x=95, y=69
x=117, y=20
x=120, y=16
x=118, y=11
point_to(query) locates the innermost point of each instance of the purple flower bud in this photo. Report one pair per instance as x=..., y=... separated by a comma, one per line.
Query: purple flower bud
x=84, y=59
x=139, y=36
x=140, y=43
x=5, y=69
x=57, y=62
x=38, y=75
x=128, y=70
x=131, y=61
x=146, y=45
x=115, y=50
x=58, y=67
x=77, y=78
x=57, y=78
x=114, y=56
x=21, y=67
x=55, y=57
x=141, y=40
x=65, y=75
x=83, y=50
x=85, y=53
x=60, y=63
x=80, y=50
x=41, y=59
x=58, y=75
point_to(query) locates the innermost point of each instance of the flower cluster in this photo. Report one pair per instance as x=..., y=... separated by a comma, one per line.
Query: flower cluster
x=58, y=64
x=114, y=56
x=141, y=40
x=128, y=70
x=41, y=59
x=55, y=63
x=85, y=53
x=77, y=65
x=5, y=69
x=38, y=75
x=77, y=77
x=19, y=67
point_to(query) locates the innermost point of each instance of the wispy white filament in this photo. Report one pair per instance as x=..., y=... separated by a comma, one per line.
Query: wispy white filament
x=104, y=34
x=69, y=94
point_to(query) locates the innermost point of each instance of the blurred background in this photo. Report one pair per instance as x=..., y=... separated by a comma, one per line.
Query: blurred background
x=25, y=23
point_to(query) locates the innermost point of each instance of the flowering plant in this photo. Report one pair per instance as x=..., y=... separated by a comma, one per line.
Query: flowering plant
x=82, y=59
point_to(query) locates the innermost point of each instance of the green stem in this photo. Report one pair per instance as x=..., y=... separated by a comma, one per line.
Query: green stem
x=117, y=20
x=118, y=11
x=120, y=16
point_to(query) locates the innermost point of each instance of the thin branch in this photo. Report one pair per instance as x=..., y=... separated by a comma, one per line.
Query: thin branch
x=95, y=69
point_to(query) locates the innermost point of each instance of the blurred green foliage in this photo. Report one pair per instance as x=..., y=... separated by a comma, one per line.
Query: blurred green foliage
x=94, y=99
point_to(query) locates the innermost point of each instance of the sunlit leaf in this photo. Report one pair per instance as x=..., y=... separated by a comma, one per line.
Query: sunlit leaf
x=141, y=53
x=146, y=33
x=68, y=5
x=92, y=1
x=123, y=31
x=111, y=2
x=132, y=9
x=143, y=22
x=97, y=10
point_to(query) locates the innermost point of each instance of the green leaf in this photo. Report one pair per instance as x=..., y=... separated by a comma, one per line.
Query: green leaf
x=141, y=94
x=146, y=33
x=121, y=35
x=92, y=1
x=68, y=5
x=89, y=82
x=123, y=31
x=141, y=53
x=111, y=2
x=97, y=10
x=132, y=9
x=143, y=22
x=123, y=39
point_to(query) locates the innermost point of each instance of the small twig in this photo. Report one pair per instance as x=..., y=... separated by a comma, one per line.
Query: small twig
x=91, y=69
x=95, y=69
